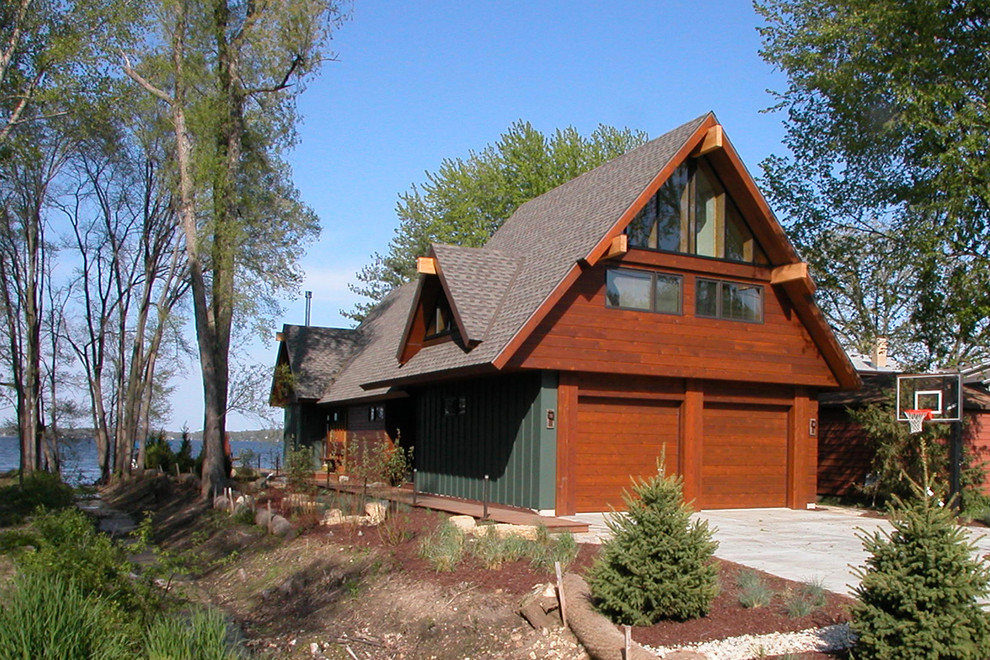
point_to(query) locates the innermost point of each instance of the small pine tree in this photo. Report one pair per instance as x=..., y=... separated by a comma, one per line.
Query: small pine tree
x=919, y=592
x=658, y=564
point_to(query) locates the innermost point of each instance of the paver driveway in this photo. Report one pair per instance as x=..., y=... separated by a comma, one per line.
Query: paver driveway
x=799, y=545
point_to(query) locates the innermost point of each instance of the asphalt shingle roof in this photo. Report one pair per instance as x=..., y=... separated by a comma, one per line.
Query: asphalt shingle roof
x=478, y=280
x=315, y=354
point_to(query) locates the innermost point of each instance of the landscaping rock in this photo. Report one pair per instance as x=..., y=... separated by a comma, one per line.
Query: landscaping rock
x=376, y=511
x=332, y=517
x=466, y=524
x=262, y=517
x=239, y=508
x=280, y=526
x=246, y=500
x=598, y=635
x=525, y=531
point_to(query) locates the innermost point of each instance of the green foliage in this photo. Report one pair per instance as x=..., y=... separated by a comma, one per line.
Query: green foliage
x=158, y=453
x=919, y=592
x=69, y=547
x=466, y=200
x=886, y=180
x=902, y=459
x=299, y=468
x=657, y=564
x=396, y=464
x=443, y=548
x=550, y=548
x=493, y=550
x=753, y=589
x=202, y=635
x=40, y=489
x=807, y=598
x=49, y=616
x=184, y=457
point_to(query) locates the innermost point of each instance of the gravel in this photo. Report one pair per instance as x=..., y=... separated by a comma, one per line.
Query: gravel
x=831, y=638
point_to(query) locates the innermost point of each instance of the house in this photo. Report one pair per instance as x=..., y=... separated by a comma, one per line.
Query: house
x=650, y=307
x=845, y=452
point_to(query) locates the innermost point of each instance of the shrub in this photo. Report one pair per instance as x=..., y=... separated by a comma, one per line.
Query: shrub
x=658, y=564
x=158, y=453
x=493, y=550
x=184, y=457
x=199, y=636
x=753, y=589
x=919, y=592
x=70, y=548
x=299, y=468
x=396, y=464
x=47, y=616
x=550, y=548
x=443, y=548
x=18, y=501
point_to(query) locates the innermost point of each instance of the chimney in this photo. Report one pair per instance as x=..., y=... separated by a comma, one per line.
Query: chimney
x=880, y=353
x=309, y=302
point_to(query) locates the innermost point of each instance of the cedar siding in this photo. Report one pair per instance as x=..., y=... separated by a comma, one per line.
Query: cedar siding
x=580, y=333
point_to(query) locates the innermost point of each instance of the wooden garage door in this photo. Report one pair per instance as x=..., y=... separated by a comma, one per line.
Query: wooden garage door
x=617, y=439
x=744, y=457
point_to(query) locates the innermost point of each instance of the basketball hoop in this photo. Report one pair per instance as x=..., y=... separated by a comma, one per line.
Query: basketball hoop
x=916, y=418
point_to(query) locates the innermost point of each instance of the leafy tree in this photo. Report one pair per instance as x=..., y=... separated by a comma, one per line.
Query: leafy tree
x=887, y=131
x=919, y=594
x=229, y=73
x=657, y=563
x=467, y=199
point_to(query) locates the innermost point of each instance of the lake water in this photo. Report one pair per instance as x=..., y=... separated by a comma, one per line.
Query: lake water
x=79, y=456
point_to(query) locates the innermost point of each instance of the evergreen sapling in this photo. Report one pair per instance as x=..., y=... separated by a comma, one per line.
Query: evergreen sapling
x=920, y=590
x=657, y=564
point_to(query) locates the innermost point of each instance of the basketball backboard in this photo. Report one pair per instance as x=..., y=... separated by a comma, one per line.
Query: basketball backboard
x=940, y=393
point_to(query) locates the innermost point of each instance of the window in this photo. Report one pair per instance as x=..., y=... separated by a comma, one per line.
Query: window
x=438, y=323
x=692, y=213
x=376, y=413
x=733, y=301
x=454, y=406
x=641, y=289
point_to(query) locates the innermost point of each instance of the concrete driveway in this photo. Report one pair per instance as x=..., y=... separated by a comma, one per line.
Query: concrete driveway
x=819, y=544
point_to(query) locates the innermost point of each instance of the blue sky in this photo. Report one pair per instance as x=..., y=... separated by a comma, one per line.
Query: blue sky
x=416, y=82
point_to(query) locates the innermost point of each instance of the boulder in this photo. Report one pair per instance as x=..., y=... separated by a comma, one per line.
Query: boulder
x=280, y=526
x=262, y=517
x=332, y=517
x=525, y=531
x=376, y=511
x=464, y=523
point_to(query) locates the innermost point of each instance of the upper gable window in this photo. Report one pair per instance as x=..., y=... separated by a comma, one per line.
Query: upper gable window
x=692, y=213
x=439, y=321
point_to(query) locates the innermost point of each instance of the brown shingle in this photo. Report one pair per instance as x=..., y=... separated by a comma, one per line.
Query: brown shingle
x=315, y=355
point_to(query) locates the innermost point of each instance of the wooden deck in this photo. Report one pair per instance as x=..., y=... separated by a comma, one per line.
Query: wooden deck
x=496, y=512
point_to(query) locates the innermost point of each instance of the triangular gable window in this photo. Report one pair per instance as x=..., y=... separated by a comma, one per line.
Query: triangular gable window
x=439, y=320
x=694, y=214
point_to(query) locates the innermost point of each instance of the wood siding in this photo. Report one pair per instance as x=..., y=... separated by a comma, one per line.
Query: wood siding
x=581, y=334
x=502, y=433
x=978, y=442
x=845, y=454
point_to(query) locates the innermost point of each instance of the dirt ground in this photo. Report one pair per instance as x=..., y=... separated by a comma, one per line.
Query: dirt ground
x=355, y=592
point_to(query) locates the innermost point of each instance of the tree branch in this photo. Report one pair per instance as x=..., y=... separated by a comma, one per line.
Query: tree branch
x=139, y=79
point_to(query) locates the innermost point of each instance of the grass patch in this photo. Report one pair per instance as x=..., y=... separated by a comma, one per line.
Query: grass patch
x=443, y=548
x=493, y=550
x=807, y=598
x=201, y=634
x=753, y=590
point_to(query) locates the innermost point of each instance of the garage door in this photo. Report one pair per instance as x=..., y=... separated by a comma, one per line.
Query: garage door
x=617, y=439
x=744, y=457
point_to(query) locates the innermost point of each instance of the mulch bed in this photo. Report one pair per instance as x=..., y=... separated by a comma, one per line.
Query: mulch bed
x=728, y=618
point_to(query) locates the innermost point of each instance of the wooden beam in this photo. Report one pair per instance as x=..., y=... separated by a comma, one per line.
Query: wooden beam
x=714, y=140
x=619, y=246
x=426, y=265
x=279, y=336
x=788, y=273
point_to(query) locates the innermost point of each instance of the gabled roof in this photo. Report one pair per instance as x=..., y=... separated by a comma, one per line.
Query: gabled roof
x=499, y=293
x=314, y=355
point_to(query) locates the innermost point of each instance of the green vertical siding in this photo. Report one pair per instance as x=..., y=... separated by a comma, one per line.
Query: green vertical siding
x=502, y=433
x=305, y=425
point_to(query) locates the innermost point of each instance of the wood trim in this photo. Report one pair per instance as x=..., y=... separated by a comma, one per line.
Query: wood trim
x=692, y=440
x=690, y=263
x=567, y=423
x=415, y=327
x=620, y=245
x=800, y=469
x=426, y=265
x=789, y=273
x=713, y=141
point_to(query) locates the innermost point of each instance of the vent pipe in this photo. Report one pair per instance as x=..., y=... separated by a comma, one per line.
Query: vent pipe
x=309, y=303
